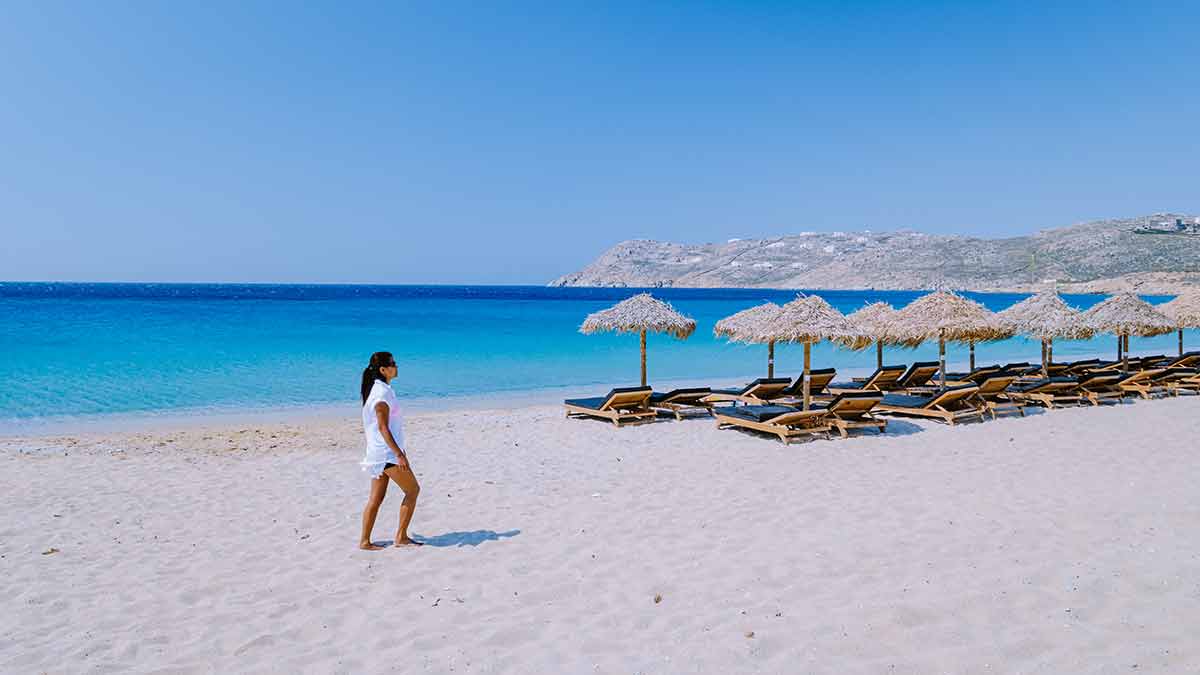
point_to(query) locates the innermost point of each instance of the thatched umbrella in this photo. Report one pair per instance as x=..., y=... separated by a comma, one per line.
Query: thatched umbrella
x=1046, y=317
x=809, y=319
x=1124, y=315
x=873, y=321
x=640, y=314
x=747, y=326
x=947, y=317
x=1184, y=311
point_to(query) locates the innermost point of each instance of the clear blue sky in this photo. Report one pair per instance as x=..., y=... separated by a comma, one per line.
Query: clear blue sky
x=510, y=143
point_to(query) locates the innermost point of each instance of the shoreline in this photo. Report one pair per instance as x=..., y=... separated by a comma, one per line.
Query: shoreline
x=225, y=416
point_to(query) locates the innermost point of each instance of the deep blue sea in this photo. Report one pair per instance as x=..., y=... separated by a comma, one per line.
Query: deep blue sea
x=87, y=350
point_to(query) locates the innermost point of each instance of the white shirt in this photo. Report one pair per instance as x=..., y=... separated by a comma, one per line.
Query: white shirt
x=378, y=454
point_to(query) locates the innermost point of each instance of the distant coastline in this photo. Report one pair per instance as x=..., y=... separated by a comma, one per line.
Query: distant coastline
x=1107, y=256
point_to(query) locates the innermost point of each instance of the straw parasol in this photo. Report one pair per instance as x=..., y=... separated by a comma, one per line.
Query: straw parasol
x=809, y=319
x=1124, y=315
x=873, y=321
x=640, y=314
x=747, y=325
x=1184, y=312
x=947, y=317
x=1047, y=317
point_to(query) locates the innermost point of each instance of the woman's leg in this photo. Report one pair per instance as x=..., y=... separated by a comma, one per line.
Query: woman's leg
x=378, y=492
x=408, y=482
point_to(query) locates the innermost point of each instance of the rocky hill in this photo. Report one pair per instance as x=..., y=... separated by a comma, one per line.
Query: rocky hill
x=1151, y=254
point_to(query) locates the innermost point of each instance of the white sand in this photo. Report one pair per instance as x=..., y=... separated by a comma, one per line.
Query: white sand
x=1065, y=542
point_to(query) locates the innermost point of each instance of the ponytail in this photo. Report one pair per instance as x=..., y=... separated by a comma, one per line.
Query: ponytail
x=371, y=372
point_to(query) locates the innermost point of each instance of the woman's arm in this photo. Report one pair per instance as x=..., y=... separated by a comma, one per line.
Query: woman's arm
x=381, y=416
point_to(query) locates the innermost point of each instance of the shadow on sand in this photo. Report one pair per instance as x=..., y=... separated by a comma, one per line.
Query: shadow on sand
x=473, y=538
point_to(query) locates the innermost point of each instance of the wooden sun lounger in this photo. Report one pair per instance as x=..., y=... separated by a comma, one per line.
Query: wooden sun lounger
x=1177, y=380
x=1081, y=367
x=993, y=396
x=853, y=411
x=975, y=376
x=1103, y=386
x=1143, y=383
x=783, y=421
x=949, y=405
x=1054, y=369
x=757, y=392
x=818, y=383
x=680, y=401
x=1186, y=360
x=881, y=380
x=629, y=404
x=1050, y=392
x=918, y=375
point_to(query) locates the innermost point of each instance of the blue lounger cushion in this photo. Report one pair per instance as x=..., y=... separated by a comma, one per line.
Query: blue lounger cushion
x=692, y=394
x=1034, y=385
x=919, y=400
x=758, y=413
x=746, y=389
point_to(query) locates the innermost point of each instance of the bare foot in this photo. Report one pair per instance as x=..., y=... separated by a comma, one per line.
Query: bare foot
x=368, y=546
x=405, y=541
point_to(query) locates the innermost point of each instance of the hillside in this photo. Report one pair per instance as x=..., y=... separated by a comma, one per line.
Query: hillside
x=1147, y=254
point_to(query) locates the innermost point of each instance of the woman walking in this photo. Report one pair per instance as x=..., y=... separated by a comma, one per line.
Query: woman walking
x=385, y=458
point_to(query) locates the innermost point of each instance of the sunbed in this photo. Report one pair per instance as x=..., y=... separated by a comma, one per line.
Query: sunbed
x=628, y=404
x=759, y=391
x=853, y=411
x=1050, y=392
x=1054, y=369
x=1143, y=383
x=1102, y=386
x=949, y=405
x=977, y=375
x=1080, y=367
x=881, y=380
x=1177, y=380
x=818, y=383
x=918, y=374
x=993, y=395
x=783, y=421
x=844, y=412
x=680, y=401
x=1185, y=360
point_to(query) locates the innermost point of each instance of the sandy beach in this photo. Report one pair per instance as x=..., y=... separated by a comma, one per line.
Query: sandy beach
x=1061, y=542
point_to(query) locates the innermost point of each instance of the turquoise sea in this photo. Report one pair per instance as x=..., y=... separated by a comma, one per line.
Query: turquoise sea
x=74, y=351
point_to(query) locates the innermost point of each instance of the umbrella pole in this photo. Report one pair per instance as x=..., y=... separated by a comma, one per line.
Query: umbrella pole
x=942, y=356
x=807, y=363
x=972, y=356
x=1045, y=362
x=643, y=358
x=879, y=353
x=1050, y=351
x=1125, y=354
x=1181, y=342
x=771, y=359
x=1120, y=342
x=1126, y=346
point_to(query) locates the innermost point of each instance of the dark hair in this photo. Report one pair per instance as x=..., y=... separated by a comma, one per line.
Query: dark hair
x=371, y=372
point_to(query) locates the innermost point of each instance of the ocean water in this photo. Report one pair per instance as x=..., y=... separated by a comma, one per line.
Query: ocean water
x=71, y=351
